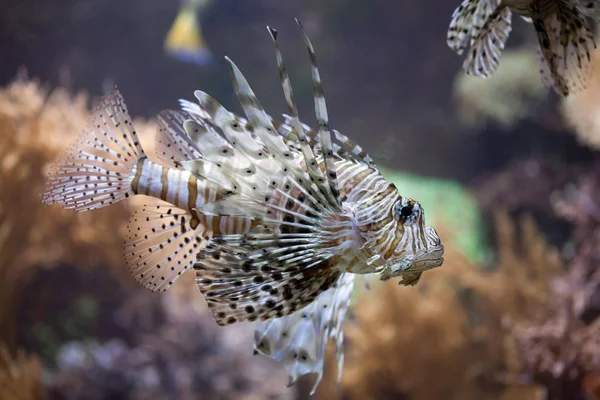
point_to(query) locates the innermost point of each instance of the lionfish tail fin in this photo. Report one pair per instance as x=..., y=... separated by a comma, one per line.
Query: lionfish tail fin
x=99, y=168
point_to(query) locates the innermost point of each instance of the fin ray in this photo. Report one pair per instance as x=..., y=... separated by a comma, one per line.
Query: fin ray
x=97, y=170
x=161, y=243
x=483, y=58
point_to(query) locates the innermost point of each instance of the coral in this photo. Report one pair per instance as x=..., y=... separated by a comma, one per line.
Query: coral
x=20, y=377
x=175, y=350
x=35, y=127
x=444, y=338
x=556, y=348
x=506, y=97
x=538, y=177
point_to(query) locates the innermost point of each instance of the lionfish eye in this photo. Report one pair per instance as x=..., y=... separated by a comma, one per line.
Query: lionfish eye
x=406, y=211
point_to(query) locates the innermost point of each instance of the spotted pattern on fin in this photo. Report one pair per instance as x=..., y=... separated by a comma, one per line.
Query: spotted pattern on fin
x=483, y=58
x=172, y=142
x=161, y=243
x=254, y=276
x=98, y=169
x=565, y=48
x=467, y=22
x=298, y=341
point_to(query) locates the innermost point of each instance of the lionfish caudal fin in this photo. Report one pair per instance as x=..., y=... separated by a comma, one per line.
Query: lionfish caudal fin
x=565, y=43
x=289, y=258
x=298, y=341
x=483, y=58
x=98, y=169
x=467, y=22
x=102, y=168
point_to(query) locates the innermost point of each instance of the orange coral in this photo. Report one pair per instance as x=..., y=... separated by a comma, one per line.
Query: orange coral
x=20, y=378
x=35, y=127
x=444, y=338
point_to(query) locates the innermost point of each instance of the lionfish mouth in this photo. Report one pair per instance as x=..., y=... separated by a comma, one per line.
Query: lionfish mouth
x=430, y=257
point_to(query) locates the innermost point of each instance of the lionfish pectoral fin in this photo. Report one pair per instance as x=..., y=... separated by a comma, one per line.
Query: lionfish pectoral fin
x=258, y=276
x=233, y=206
x=461, y=25
x=234, y=128
x=258, y=118
x=467, y=22
x=298, y=341
x=214, y=147
x=566, y=42
x=161, y=243
x=99, y=168
x=172, y=142
x=483, y=58
x=214, y=172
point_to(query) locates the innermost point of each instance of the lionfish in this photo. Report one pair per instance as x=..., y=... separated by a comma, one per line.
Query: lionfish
x=274, y=217
x=565, y=40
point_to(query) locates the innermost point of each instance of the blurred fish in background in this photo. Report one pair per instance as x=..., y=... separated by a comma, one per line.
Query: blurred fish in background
x=185, y=41
x=564, y=36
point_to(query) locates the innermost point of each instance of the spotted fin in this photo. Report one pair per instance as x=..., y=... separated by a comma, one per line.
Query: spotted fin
x=258, y=276
x=343, y=146
x=161, y=243
x=483, y=58
x=467, y=22
x=590, y=8
x=298, y=341
x=275, y=144
x=284, y=263
x=566, y=43
x=316, y=175
x=98, y=169
x=172, y=142
x=322, y=120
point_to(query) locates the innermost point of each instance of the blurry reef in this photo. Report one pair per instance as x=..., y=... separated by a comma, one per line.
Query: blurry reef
x=507, y=174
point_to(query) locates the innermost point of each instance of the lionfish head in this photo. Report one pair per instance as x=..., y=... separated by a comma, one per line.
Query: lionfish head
x=419, y=247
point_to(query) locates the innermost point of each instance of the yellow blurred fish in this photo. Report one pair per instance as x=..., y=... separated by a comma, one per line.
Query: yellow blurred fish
x=185, y=41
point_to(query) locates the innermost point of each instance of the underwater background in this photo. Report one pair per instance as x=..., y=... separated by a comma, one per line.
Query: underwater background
x=507, y=172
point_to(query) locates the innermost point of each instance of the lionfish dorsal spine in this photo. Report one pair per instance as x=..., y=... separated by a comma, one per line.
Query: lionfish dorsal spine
x=322, y=119
x=309, y=156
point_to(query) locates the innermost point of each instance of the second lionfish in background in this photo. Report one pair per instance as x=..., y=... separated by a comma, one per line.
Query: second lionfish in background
x=274, y=217
x=565, y=39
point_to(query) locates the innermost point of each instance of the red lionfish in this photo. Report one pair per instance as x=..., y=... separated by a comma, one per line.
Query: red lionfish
x=274, y=217
x=565, y=40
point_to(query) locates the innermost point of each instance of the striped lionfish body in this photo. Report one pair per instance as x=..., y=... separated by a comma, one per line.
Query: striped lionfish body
x=274, y=217
x=565, y=40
